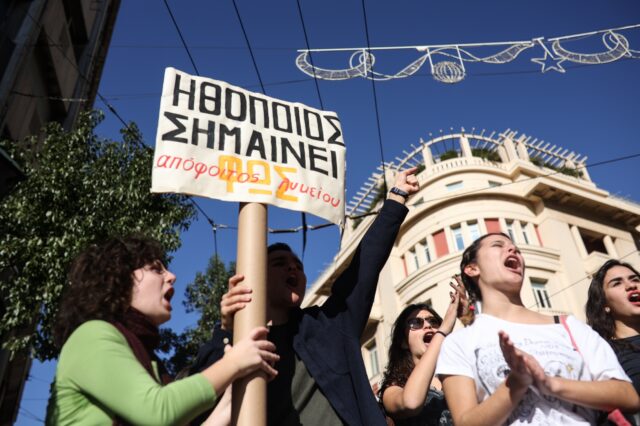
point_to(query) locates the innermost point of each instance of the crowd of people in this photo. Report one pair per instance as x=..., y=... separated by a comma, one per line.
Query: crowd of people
x=504, y=364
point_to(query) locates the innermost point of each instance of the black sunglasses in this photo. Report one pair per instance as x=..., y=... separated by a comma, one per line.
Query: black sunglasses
x=417, y=323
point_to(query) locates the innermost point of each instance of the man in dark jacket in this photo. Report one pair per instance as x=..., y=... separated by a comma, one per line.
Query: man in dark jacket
x=321, y=375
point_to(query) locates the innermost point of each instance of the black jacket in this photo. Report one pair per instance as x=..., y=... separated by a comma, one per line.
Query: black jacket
x=328, y=337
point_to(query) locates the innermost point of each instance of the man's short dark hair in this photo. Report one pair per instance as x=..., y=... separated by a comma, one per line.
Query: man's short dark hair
x=279, y=247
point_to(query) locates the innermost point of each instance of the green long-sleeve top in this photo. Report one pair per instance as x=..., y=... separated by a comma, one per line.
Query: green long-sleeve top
x=98, y=377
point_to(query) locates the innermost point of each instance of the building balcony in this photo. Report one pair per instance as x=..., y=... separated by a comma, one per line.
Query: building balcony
x=455, y=164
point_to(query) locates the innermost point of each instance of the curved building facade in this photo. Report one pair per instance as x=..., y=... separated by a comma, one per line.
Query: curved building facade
x=471, y=184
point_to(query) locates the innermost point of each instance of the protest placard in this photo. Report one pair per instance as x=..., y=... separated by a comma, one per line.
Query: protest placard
x=220, y=141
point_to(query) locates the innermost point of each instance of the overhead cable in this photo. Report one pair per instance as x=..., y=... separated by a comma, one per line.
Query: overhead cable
x=184, y=43
x=375, y=102
x=306, y=42
x=112, y=109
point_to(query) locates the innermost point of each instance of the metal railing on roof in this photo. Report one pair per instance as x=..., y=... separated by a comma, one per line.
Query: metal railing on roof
x=447, y=147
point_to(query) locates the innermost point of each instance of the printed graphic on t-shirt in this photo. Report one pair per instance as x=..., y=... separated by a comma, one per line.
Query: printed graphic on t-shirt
x=557, y=360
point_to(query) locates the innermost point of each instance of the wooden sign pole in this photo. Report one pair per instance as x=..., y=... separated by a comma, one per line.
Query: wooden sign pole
x=249, y=402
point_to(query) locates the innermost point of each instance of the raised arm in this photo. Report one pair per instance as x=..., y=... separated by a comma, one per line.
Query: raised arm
x=354, y=290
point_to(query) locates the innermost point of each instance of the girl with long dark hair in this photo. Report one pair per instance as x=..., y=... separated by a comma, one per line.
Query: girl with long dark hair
x=409, y=392
x=613, y=310
x=119, y=292
x=518, y=366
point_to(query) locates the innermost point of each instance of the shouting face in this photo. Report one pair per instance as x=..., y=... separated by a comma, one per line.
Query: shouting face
x=622, y=292
x=286, y=281
x=499, y=265
x=152, y=292
x=421, y=327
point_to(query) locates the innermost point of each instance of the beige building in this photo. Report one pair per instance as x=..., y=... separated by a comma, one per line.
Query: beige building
x=471, y=184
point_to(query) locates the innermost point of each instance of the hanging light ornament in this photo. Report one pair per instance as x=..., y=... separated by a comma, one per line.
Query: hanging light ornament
x=448, y=72
x=451, y=69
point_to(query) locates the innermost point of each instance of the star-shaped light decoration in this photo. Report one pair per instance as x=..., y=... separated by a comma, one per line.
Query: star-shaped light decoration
x=549, y=62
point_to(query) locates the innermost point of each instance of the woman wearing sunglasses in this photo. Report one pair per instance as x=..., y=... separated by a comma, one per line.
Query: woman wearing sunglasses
x=410, y=394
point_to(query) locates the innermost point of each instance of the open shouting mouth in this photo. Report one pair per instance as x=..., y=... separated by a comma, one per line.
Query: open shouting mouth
x=167, y=297
x=634, y=297
x=513, y=264
x=292, y=281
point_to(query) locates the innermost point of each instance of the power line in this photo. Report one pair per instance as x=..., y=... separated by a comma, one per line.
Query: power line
x=37, y=379
x=306, y=42
x=214, y=227
x=162, y=46
x=315, y=81
x=194, y=47
x=375, y=102
x=523, y=72
x=255, y=66
x=600, y=163
x=579, y=281
x=30, y=415
x=184, y=43
x=156, y=95
x=109, y=106
x=246, y=39
x=52, y=98
x=72, y=63
x=444, y=198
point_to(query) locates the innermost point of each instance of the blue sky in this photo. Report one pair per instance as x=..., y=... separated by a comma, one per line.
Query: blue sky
x=593, y=110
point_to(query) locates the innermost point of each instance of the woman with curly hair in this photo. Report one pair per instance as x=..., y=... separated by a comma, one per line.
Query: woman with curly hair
x=410, y=394
x=517, y=366
x=119, y=293
x=613, y=310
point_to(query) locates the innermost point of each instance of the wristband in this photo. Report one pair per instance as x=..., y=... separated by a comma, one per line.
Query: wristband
x=441, y=332
x=399, y=192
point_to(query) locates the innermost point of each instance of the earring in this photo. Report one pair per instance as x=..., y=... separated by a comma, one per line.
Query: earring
x=607, y=309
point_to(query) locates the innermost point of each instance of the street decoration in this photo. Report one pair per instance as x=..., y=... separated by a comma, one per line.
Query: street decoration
x=447, y=62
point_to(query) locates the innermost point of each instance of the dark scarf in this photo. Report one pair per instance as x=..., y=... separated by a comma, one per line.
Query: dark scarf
x=143, y=337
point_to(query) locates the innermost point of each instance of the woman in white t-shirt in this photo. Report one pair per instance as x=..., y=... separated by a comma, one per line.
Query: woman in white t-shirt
x=517, y=366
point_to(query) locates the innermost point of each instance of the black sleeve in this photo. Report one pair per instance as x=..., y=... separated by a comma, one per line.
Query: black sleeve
x=211, y=351
x=629, y=358
x=208, y=354
x=354, y=290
